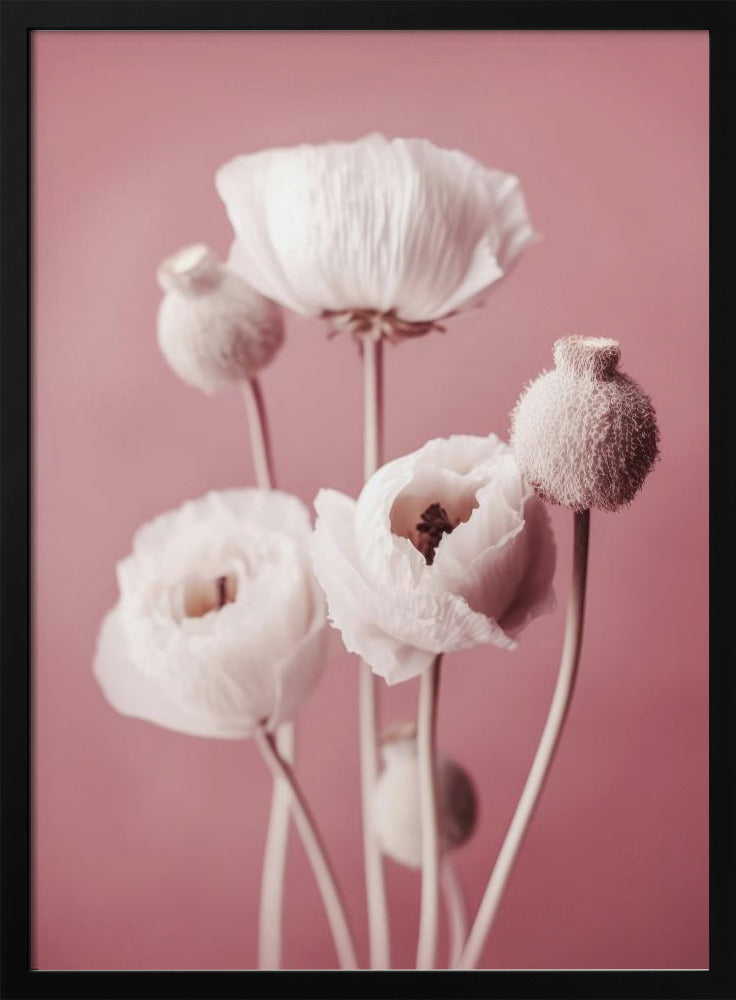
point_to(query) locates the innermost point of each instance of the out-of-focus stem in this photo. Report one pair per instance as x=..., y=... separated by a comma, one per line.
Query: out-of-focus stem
x=270, y=923
x=457, y=914
x=315, y=850
x=427, y=754
x=260, y=443
x=545, y=751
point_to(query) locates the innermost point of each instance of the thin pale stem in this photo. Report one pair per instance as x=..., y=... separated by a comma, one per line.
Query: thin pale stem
x=545, y=751
x=260, y=443
x=372, y=406
x=427, y=754
x=378, y=928
x=457, y=914
x=315, y=851
x=270, y=921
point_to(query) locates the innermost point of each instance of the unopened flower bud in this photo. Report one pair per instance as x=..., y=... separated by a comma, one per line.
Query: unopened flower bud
x=213, y=328
x=585, y=434
x=397, y=812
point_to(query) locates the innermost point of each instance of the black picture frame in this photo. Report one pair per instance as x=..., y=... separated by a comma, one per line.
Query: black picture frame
x=18, y=20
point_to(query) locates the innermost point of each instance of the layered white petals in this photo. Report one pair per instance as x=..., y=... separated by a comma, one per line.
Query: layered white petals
x=397, y=225
x=489, y=576
x=220, y=623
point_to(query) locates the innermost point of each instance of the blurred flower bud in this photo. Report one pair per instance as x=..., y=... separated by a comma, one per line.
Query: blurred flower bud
x=396, y=807
x=213, y=328
x=585, y=434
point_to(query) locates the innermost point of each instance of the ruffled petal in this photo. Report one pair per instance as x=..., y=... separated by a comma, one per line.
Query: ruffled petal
x=535, y=595
x=385, y=560
x=298, y=673
x=382, y=225
x=397, y=633
x=152, y=697
x=243, y=185
x=451, y=235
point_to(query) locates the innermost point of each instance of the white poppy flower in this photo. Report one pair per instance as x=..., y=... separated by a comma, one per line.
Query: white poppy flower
x=445, y=549
x=220, y=623
x=400, y=229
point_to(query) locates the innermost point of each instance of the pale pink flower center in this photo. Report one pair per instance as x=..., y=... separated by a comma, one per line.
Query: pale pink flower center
x=202, y=596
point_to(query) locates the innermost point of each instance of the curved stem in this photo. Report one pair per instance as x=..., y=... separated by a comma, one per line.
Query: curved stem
x=427, y=754
x=260, y=443
x=315, y=850
x=270, y=920
x=378, y=929
x=274, y=860
x=545, y=751
x=457, y=914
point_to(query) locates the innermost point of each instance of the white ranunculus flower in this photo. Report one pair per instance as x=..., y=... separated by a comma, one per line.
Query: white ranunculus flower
x=445, y=549
x=220, y=623
x=400, y=229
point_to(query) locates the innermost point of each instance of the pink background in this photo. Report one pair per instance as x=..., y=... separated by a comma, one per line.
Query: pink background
x=148, y=843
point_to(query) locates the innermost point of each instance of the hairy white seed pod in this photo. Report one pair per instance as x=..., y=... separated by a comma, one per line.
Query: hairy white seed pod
x=213, y=328
x=397, y=813
x=585, y=434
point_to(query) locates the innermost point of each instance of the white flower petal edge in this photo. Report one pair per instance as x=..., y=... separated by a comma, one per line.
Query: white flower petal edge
x=174, y=653
x=490, y=575
x=386, y=225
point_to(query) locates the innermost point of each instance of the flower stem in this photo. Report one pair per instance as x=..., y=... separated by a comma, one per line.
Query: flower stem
x=378, y=929
x=427, y=753
x=372, y=406
x=260, y=443
x=457, y=916
x=270, y=920
x=545, y=751
x=314, y=848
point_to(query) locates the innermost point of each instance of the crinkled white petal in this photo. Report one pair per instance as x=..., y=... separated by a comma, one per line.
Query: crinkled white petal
x=373, y=224
x=398, y=632
x=535, y=595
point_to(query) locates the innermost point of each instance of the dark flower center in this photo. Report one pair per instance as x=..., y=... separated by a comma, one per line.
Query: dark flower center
x=433, y=525
x=224, y=595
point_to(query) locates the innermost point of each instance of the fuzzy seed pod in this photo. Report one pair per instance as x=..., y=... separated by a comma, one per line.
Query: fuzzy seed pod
x=213, y=328
x=396, y=807
x=585, y=434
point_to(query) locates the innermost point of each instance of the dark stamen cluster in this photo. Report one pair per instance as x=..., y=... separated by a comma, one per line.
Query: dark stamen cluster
x=223, y=597
x=433, y=525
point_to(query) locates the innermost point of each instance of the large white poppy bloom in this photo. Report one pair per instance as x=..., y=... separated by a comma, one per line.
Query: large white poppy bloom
x=220, y=623
x=397, y=228
x=445, y=549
